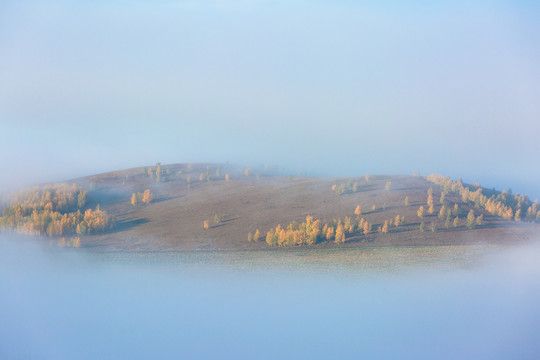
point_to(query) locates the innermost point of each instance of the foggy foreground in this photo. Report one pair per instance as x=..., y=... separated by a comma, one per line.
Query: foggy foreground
x=439, y=302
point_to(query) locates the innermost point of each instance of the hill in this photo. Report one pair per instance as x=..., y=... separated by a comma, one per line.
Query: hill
x=216, y=206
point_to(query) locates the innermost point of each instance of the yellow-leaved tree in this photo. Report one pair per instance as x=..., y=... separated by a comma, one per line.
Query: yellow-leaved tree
x=384, y=227
x=420, y=212
x=147, y=197
x=431, y=208
x=358, y=211
x=340, y=234
x=134, y=199
x=471, y=219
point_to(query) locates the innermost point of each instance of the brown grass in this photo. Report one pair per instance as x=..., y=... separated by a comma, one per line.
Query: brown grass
x=173, y=221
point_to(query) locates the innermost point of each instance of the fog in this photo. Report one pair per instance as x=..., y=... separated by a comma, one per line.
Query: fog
x=331, y=88
x=61, y=304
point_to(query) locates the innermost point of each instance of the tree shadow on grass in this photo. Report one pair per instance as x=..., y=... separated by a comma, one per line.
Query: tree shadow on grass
x=463, y=227
x=165, y=198
x=224, y=222
x=128, y=224
x=104, y=198
x=361, y=189
x=382, y=209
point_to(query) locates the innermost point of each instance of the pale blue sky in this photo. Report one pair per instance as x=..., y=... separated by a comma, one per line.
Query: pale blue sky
x=332, y=87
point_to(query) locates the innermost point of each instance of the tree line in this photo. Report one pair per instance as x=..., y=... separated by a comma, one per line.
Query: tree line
x=448, y=214
x=503, y=204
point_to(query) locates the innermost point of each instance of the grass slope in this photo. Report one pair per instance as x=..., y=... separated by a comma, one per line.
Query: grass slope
x=173, y=221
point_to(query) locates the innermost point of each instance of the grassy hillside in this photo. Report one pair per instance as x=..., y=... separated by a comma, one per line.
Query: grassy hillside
x=237, y=201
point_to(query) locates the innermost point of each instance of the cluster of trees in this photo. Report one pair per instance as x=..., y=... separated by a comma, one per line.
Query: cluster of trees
x=472, y=220
x=312, y=230
x=450, y=217
x=212, y=174
x=156, y=172
x=54, y=210
x=256, y=236
x=308, y=232
x=206, y=176
x=348, y=187
x=395, y=222
x=55, y=197
x=502, y=204
x=145, y=198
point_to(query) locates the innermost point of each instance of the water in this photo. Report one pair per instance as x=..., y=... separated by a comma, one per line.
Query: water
x=427, y=303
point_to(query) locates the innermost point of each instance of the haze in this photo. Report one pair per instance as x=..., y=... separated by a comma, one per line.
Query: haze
x=334, y=88
x=64, y=305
